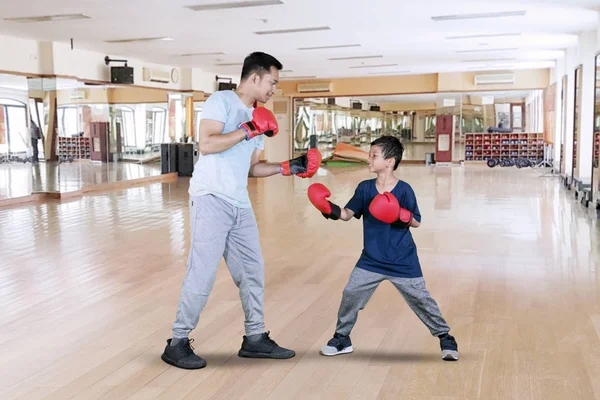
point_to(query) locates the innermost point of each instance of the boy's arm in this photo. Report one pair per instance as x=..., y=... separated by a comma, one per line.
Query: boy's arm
x=318, y=194
x=346, y=214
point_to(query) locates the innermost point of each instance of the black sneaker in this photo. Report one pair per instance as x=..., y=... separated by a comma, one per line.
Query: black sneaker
x=337, y=345
x=264, y=348
x=182, y=355
x=449, y=347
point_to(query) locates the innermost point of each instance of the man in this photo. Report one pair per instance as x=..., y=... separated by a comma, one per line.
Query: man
x=232, y=135
x=35, y=136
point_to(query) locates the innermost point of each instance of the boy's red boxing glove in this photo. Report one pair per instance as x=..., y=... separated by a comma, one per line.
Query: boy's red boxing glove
x=304, y=166
x=318, y=194
x=385, y=208
x=263, y=122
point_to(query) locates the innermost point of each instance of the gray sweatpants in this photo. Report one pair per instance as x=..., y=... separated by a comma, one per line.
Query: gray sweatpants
x=362, y=285
x=220, y=229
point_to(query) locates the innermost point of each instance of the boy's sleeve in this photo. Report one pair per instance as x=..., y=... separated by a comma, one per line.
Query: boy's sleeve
x=215, y=108
x=356, y=203
x=409, y=202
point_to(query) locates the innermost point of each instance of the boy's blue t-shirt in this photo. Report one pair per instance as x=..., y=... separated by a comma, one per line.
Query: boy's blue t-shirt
x=387, y=250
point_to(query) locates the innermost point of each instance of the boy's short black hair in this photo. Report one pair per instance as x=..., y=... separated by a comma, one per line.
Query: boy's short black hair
x=392, y=147
x=260, y=63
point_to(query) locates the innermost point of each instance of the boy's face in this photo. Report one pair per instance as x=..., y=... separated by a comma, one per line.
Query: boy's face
x=376, y=161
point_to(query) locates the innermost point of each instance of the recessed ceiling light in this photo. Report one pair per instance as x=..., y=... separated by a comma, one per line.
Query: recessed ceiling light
x=202, y=54
x=234, y=4
x=489, y=60
x=501, y=14
x=300, y=77
x=389, y=73
x=492, y=67
x=487, y=50
x=294, y=30
x=490, y=35
x=374, y=66
x=228, y=64
x=48, y=18
x=338, y=46
x=353, y=58
x=136, y=40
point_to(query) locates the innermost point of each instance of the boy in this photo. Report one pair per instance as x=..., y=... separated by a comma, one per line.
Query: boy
x=389, y=208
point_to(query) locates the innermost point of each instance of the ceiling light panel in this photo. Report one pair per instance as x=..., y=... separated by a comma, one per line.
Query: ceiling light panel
x=294, y=30
x=137, y=40
x=338, y=46
x=228, y=64
x=374, y=66
x=354, y=58
x=389, y=73
x=49, y=18
x=489, y=60
x=202, y=54
x=235, y=4
x=487, y=50
x=502, y=14
x=491, y=35
x=300, y=77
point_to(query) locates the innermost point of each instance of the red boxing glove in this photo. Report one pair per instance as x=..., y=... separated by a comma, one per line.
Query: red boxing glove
x=305, y=166
x=318, y=194
x=263, y=122
x=385, y=208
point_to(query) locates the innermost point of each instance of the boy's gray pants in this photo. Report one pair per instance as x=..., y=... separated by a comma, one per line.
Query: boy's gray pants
x=220, y=229
x=362, y=285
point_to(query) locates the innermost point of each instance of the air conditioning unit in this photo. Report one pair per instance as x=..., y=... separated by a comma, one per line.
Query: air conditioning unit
x=494, y=79
x=314, y=87
x=156, y=75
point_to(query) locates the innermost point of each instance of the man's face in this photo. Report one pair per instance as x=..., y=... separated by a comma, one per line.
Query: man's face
x=265, y=86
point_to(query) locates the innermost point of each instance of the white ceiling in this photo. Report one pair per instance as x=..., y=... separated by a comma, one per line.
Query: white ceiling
x=401, y=31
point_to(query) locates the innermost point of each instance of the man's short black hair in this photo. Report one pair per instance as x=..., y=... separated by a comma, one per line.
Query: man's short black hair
x=392, y=147
x=260, y=63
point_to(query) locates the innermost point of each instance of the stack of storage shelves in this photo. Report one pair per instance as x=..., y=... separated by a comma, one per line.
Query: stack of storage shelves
x=483, y=146
x=74, y=147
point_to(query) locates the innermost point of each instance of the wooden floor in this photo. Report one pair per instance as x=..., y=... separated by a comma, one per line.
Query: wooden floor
x=89, y=289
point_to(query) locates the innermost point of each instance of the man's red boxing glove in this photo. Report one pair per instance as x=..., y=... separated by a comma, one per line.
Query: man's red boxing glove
x=318, y=194
x=305, y=166
x=385, y=208
x=263, y=122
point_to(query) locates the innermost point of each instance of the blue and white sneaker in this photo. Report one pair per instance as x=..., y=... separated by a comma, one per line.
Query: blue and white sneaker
x=337, y=345
x=449, y=347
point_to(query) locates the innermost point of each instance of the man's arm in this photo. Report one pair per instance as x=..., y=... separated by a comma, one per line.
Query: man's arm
x=213, y=141
x=414, y=223
x=260, y=169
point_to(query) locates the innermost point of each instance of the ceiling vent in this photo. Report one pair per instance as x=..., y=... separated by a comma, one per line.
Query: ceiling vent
x=494, y=79
x=156, y=75
x=314, y=87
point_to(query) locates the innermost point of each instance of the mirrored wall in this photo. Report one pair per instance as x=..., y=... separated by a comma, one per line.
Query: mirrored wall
x=16, y=143
x=480, y=125
x=63, y=135
x=595, y=195
x=576, y=124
